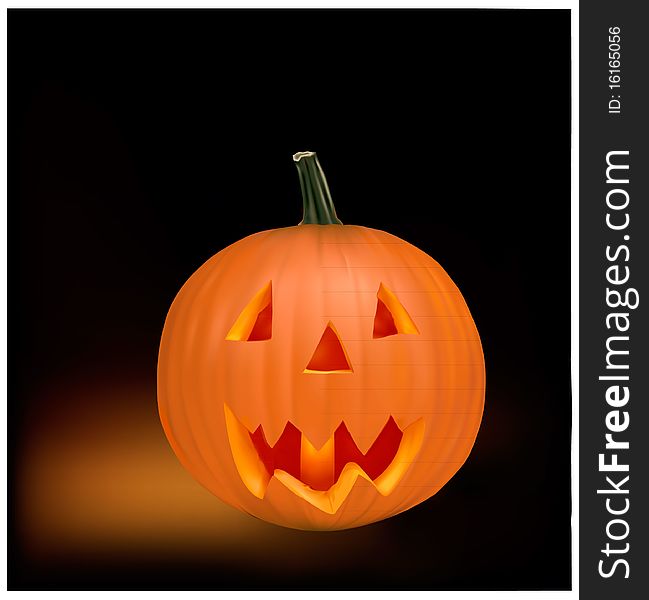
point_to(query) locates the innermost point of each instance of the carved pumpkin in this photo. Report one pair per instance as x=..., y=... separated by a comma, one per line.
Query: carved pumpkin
x=321, y=376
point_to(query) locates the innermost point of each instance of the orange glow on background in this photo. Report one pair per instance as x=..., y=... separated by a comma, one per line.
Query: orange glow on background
x=97, y=479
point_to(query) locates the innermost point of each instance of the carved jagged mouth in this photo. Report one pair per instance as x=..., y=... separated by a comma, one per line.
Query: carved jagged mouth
x=323, y=477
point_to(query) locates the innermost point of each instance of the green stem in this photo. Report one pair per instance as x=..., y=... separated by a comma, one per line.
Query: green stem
x=316, y=198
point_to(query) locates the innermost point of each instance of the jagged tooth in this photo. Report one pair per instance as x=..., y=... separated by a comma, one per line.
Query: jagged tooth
x=273, y=427
x=331, y=500
x=347, y=480
x=248, y=422
x=327, y=501
x=316, y=466
x=317, y=498
x=404, y=420
x=250, y=425
x=413, y=436
x=319, y=431
x=365, y=428
x=250, y=468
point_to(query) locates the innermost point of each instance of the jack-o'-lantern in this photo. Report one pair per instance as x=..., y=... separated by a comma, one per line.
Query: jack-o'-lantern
x=321, y=376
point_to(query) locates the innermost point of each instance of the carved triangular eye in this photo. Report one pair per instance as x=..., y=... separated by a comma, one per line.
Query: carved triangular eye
x=391, y=317
x=255, y=323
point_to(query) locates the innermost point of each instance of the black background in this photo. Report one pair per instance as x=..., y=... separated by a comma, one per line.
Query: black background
x=142, y=142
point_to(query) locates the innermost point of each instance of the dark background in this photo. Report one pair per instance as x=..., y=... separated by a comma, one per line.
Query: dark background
x=143, y=142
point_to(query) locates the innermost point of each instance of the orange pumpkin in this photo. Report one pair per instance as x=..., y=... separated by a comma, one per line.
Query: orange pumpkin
x=321, y=376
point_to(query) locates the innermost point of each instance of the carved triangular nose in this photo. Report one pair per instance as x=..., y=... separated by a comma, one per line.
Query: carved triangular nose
x=329, y=355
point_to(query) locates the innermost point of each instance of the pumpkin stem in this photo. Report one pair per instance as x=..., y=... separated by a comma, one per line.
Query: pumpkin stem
x=316, y=198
